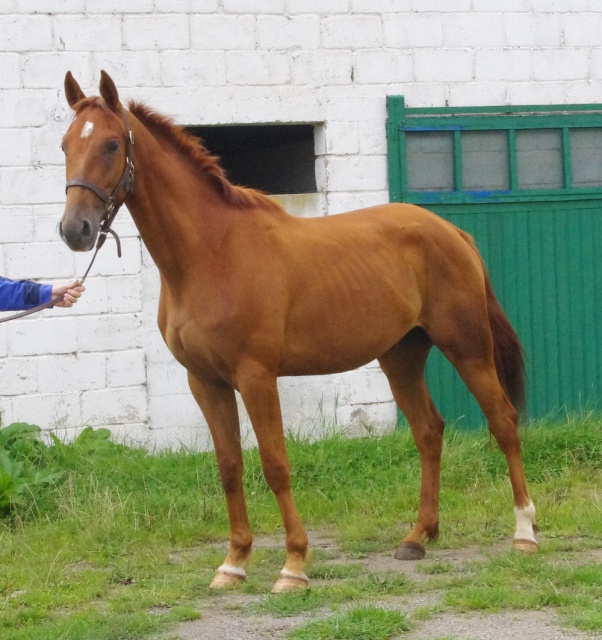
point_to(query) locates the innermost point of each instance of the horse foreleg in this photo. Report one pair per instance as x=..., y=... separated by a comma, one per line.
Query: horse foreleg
x=218, y=403
x=260, y=394
x=404, y=367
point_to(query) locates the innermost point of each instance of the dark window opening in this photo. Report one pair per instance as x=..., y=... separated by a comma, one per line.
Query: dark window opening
x=277, y=159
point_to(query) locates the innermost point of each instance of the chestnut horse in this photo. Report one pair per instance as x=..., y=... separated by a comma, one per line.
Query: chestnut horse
x=250, y=293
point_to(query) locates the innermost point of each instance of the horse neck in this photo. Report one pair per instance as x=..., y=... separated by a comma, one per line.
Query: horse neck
x=179, y=214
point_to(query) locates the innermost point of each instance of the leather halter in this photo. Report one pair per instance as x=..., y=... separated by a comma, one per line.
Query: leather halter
x=112, y=205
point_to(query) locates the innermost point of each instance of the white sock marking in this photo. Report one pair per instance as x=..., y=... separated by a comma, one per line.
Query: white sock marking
x=525, y=519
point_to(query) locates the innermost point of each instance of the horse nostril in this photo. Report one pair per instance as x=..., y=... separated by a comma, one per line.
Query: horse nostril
x=86, y=229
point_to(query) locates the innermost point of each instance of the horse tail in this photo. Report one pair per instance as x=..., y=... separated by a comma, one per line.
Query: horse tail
x=507, y=350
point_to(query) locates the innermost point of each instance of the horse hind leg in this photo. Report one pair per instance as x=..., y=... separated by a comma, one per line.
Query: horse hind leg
x=474, y=361
x=404, y=367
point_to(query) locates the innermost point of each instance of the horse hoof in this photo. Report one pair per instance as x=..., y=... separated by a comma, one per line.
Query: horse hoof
x=409, y=551
x=525, y=546
x=289, y=581
x=228, y=577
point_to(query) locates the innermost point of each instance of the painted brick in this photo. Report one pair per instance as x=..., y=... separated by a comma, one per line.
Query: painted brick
x=474, y=30
x=174, y=411
x=49, y=411
x=342, y=202
x=352, y=32
x=503, y=64
x=244, y=6
x=382, y=66
x=408, y=30
x=3, y=342
x=126, y=368
x=17, y=224
x=257, y=68
x=156, y=32
x=108, y=264
x=582, y=30
x=565, y=64
x=450, y=6
x=357, y=173
x=444, y=65
x=187, y=6
x=194, y=67
x=16, y=147
x=44, y=6
x=222, y=32
x=38, y=260
x=16, y=185
x=482, y=93
x=110, y=333
x=87, y=33
x=359, y=103
x=560, y=6
x=25, y=108
x=47, y=217
x=44, y=70
x=372, y=137
x=124, y=294
x=167, y=379
x=129, y=68
x=532, y=30
x=72, y=372
x=26, y=33
x=322, y=68
x=508, y=6
x=341, y=138
x=44, y=335
x=288, y=32
x=380, y=6
x=117, y=7
x=18, y=375
x=114, y=406
x=323, y=7
x=10, y=63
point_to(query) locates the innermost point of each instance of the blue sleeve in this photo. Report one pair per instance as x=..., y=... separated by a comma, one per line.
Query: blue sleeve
x=20, y=295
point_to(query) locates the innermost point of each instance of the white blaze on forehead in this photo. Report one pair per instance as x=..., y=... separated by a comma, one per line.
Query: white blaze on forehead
x=87, y=129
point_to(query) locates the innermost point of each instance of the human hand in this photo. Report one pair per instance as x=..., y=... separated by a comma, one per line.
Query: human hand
x=70, y=293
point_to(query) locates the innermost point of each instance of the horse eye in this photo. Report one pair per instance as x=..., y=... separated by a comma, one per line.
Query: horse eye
x=111, y=146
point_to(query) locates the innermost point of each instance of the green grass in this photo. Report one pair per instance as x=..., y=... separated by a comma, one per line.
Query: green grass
x=362, y=623
x=122, y=544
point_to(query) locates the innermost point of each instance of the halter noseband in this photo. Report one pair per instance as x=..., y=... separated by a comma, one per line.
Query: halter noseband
x=112, y=206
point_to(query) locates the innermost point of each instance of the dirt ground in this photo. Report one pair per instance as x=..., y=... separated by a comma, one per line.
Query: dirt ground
x=228, y=618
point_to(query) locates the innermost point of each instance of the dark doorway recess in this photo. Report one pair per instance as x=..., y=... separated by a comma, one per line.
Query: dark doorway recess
x=275, y=158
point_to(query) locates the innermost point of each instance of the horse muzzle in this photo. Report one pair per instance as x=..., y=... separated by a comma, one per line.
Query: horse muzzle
x=78, y=233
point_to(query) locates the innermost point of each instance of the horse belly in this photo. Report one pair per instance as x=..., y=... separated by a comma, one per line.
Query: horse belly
x=340, y=341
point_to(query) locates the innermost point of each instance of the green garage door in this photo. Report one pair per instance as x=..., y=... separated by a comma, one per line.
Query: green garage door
x=526, y=182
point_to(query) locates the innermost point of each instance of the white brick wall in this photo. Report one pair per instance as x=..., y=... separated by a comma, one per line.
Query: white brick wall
x=329, y=62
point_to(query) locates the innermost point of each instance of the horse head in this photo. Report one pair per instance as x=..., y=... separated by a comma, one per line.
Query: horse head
x=98, y=150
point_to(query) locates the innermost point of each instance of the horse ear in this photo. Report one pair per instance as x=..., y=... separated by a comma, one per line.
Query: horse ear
x=108, y=91
x=73, y=91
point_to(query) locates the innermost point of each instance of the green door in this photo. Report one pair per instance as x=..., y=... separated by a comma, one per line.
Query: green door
x=526, y=182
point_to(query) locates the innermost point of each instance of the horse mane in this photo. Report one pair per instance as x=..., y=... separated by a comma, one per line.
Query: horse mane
x=192, y=148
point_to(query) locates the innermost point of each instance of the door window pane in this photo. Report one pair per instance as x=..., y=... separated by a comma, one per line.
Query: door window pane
x=586, y=157
x=430, y=160
x=539, y=159
x=485, y=165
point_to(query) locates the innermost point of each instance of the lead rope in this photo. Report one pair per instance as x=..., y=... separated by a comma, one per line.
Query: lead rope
x=101, y=239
